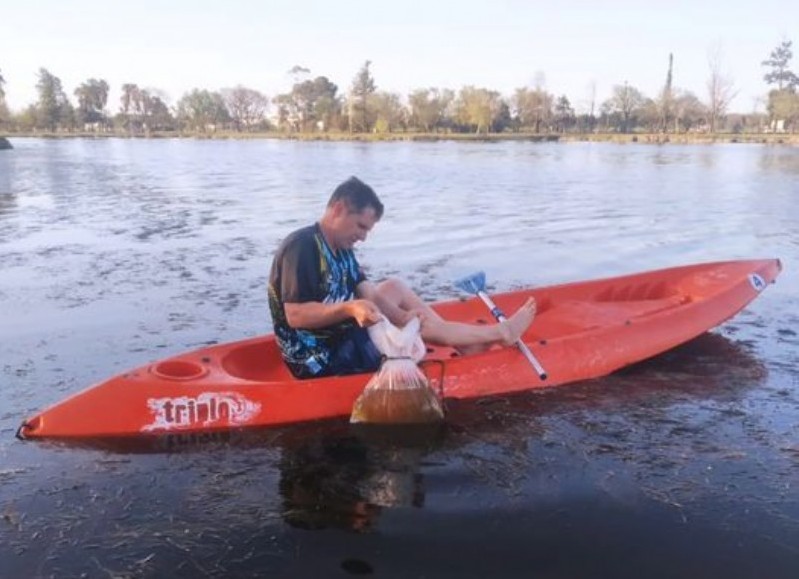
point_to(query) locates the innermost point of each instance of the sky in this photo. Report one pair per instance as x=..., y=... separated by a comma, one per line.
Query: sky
x=569, y=46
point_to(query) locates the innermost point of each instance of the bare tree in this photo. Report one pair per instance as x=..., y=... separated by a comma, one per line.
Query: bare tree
x=625, y=103
x=533, y=108
x=720, y=87
x=247, y=107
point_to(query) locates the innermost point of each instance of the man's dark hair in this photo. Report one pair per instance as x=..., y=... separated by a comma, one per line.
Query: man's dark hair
x=357, y=195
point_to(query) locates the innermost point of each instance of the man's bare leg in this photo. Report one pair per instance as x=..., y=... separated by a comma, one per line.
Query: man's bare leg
x=399, y=303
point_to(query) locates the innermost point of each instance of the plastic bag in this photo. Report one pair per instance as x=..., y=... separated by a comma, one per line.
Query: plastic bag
x=399, y=393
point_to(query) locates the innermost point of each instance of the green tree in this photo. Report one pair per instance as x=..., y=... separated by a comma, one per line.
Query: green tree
x=92, y=98
x=390, y=115
x=203, y=110
x=2, y=83
x=783, y=105
x=52, y=108
x=564, y=114
x=428, y=107
x=130, y=106
x=363, y=86
x=478, y=108
x=782, y=100
x=778, y=61
x=311, y=105
x=142, y=111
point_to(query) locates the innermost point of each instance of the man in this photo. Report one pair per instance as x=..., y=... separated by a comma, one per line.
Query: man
x=322, y=303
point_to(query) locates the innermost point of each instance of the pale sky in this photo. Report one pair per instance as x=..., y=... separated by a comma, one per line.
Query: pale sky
x=176, y=45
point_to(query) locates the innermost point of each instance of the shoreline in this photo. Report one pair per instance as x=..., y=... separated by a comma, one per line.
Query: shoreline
x=651, y=138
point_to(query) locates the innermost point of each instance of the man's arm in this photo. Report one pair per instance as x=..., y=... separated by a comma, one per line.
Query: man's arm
x=314, y=315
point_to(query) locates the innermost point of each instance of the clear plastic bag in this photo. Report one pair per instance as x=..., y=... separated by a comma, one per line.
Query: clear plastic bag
x=399, y=393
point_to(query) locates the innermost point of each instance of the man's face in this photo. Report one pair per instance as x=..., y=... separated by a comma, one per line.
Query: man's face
x=351, y=226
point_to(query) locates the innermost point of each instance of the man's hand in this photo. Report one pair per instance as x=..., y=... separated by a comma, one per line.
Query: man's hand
x=365, y=312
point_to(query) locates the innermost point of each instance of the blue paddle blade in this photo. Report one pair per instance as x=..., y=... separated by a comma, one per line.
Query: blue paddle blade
x=472, y=284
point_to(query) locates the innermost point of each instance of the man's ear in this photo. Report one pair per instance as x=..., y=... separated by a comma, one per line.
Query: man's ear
x=339, y=208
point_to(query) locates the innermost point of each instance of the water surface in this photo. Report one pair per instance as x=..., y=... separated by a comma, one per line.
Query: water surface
x=114, y=253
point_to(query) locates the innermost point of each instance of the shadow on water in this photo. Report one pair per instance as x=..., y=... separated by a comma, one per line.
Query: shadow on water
x=656, y=471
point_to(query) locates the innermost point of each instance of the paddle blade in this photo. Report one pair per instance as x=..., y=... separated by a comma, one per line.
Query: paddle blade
x=472, y=284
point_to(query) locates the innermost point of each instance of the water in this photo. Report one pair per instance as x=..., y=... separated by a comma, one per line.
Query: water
x=114, y=253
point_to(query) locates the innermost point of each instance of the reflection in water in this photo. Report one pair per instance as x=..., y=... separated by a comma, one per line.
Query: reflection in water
x=8, y=203
x=785, y=160
x=345, y=482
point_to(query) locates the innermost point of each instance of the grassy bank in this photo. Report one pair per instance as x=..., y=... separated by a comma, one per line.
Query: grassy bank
x=653, y=138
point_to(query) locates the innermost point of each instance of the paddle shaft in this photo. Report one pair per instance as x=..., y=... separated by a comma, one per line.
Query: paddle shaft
x=497, y=313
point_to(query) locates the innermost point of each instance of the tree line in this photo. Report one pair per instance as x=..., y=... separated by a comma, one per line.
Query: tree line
x=315, y=104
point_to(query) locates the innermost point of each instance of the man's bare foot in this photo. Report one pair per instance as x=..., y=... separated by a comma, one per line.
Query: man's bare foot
x=515, y=326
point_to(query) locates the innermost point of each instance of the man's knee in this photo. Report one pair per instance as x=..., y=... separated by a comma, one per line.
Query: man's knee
x=392, y=287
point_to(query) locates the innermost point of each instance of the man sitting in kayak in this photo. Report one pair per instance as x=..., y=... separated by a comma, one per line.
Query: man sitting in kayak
x=322, y=303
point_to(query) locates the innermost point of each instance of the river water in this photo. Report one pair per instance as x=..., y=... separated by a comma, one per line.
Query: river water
x=114, y=253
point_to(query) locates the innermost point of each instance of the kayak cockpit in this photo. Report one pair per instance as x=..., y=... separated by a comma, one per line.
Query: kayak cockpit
x=258, y=361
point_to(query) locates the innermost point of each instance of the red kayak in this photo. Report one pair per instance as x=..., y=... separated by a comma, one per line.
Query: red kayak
x=583, y=330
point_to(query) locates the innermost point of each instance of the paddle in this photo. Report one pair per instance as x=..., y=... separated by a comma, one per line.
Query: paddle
x=476, y=284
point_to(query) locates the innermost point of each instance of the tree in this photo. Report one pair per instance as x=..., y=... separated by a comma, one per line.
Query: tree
x=778, y=62
x=52, y=108
x=142, y=110
x=3, y=107
x=202, y=110
x=667, y=98
x=389, y=112
x=625, y=102
x=564, y=114
x=247, y=107
x=92, y=97
x=783, y=105
x=428, y=107
x=592, y=105
x=689, y=112
x=128, y=104
x=720, y=88
x=478, y=108
x=311, y=104
x=649, y=116
x=533, y=107
x=362, y=87
x=781, y=101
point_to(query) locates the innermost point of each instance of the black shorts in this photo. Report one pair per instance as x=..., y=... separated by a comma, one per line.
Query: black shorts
x=355, y=353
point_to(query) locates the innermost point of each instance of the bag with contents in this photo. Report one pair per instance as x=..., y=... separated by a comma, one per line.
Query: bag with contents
x=399, y=393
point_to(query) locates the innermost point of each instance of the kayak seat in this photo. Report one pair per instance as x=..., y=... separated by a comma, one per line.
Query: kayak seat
x=259, y=362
